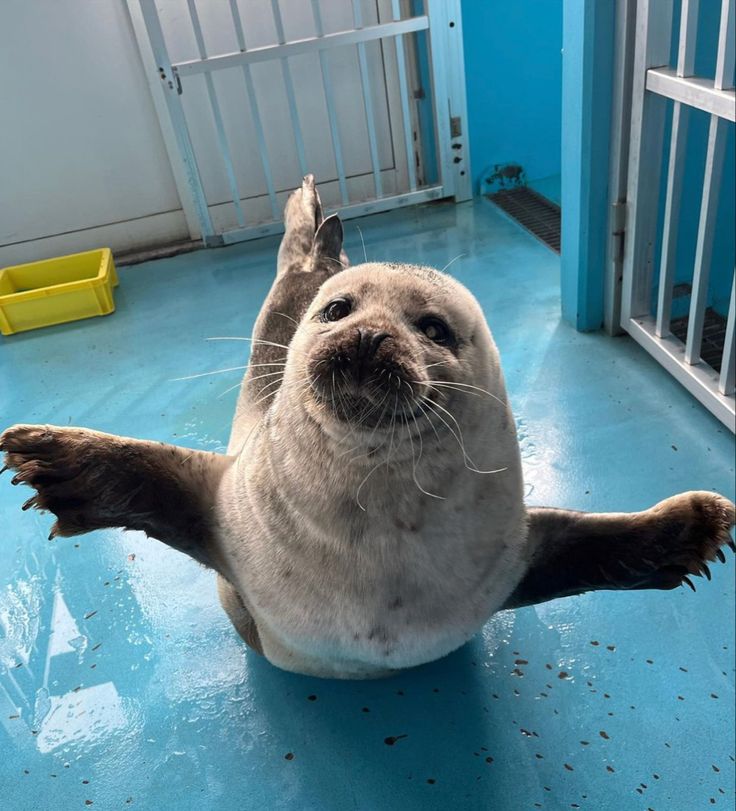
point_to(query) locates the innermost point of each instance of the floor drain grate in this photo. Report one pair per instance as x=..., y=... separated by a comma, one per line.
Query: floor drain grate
x=714, y=336
x=537, y=214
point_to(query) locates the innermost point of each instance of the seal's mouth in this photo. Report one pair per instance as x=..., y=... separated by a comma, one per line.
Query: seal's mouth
x=363, y=379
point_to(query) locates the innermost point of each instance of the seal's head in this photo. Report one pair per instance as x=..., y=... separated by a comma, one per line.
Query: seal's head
x=385, y=344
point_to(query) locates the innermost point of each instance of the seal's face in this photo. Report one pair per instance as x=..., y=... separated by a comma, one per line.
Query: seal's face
x=374, y=340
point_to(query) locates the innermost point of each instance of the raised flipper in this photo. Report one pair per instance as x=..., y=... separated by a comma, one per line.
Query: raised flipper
x=91, y=480
x=310, y=253
x=574, y=552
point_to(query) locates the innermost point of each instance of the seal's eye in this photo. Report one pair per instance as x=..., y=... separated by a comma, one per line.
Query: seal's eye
x=436, y=330
x=336, y=310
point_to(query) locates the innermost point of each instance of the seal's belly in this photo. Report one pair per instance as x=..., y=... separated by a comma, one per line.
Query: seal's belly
x=333, y=648
x=337, y=621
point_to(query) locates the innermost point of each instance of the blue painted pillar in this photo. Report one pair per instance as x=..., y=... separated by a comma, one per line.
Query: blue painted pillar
x=587, y=76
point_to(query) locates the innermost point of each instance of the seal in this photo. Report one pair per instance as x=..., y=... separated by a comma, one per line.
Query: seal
x=368, y=515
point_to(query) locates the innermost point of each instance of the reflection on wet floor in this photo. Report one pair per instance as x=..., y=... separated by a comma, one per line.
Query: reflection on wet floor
x=123, y=684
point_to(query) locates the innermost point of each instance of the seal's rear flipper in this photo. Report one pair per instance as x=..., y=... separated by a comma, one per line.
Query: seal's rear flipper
x=310, y=253
x=91, y=480
x=309, y=241
x=573, y=552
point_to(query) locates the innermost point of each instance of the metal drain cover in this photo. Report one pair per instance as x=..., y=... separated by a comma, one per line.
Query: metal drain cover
x=538, y=215
x=714, y=336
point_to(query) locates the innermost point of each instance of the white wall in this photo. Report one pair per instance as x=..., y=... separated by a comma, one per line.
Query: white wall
x=82, y=159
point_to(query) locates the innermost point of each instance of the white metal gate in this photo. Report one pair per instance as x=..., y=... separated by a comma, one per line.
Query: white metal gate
x=657, y=84
x=253, y=94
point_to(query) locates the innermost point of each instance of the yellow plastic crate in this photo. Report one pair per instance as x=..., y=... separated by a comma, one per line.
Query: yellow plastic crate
x=55, y=291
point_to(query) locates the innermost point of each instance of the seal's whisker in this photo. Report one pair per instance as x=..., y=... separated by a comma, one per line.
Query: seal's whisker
x=370, y=438
x=268, y=385
x=365, y=254
x=415, y=460
x=266, y=374
x=252, y=340
x=363, y=416
x=227, y=391
x=379, y=464
x=206, y=374
x=369, y=452
x=459, y=256
x=438, y=363
x=284, y=315
x=459, y=439
x=337, y=261
x=454, y=384
x=429, y=420
x=431, y=406
x=365, y=479
x=251, y=379
x=393, y=426
x=332, y=391
x=229, y=369
x=260, y=420
x=372, y=410
x=266, y=396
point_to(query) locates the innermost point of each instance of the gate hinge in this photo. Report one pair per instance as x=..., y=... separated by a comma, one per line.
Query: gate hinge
x=618, y=230
x=173, y=83
x=456, y=126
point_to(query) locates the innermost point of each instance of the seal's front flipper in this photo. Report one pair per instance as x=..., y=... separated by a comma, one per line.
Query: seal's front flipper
x=91, y=480
x=573, y=552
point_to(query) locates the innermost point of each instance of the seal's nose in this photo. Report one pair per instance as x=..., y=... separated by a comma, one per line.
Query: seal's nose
x=368, y=343
x=357, y=358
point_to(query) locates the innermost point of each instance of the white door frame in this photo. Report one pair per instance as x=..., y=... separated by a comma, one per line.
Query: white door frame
x=167, y=80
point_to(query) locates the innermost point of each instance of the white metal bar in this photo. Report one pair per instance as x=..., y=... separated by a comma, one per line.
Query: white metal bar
x=623, y=51
x=255, y=114
x=693, y=91
x=331, y=112
x=368, y=102
x=458, y=160
x=441, y=95
x=700, y=380
x=346, y=213
x=404, y=93
x=670, y=230
x=726, y=46
x=177, y=117
x=688, y=37
x=158, y=90
x=310, y=45
x=727, y=381
x=288, y=83
x=217, y=115
x=706, y=229
x=675, y=170
x=653, y=33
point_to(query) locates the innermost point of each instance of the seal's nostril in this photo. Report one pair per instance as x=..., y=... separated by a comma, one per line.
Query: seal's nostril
x=368, y=343
x=377, y=340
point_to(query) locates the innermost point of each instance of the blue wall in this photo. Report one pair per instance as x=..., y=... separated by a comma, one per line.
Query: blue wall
x=514, y=78
x=513, y=71
x=587, y=97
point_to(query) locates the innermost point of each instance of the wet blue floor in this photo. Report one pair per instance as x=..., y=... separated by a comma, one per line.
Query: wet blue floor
x=122, y=683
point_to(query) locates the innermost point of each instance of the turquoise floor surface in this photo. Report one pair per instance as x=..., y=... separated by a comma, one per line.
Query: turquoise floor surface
x=122, y=683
